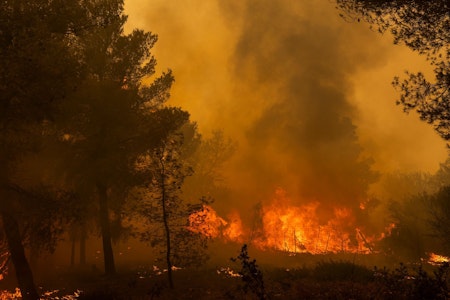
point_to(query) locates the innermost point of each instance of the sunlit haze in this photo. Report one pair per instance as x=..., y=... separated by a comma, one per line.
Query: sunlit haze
x=214, y=149
x=275, y=75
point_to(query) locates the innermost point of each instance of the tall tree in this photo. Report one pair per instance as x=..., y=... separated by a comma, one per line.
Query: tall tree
x=114, y=117
x=38, y=68
x=161, y=206
x=424, y=27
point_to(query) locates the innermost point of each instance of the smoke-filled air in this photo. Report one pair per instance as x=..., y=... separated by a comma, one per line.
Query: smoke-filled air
x=144, y=143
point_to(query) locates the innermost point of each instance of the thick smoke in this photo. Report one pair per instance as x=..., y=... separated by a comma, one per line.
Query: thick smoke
x=305, y=94
x=304, y=140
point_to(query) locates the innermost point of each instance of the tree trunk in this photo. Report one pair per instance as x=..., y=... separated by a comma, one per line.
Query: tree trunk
x=23, y=271
x=72, y=252
x=168, y=250
x=83, y=245
x=166, y=226
x=108, y=255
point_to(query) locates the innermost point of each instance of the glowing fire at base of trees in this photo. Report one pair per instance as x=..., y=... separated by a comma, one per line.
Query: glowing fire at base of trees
x=4, y=259
x=6, y=295
x=436, y=259
x=285, y=227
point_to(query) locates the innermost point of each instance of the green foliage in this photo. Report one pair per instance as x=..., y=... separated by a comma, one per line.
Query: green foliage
x=251, y=274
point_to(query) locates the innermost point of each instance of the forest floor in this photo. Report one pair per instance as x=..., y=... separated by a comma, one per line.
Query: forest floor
x=323, y=280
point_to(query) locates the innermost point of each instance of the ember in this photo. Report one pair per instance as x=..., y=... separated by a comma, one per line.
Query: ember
x=47, y=295
x=6, y=295
x=4, y=259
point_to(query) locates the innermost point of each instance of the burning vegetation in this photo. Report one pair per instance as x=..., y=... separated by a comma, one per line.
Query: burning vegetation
x=279, y=225
x=437, y=260
x=93, y=151
x=4, y=260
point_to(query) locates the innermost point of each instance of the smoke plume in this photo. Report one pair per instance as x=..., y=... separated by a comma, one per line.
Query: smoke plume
x=305, y=94
x=304, y=139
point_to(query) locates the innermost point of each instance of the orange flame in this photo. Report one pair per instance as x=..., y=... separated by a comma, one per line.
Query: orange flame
x=436, y=259
x=206, y=222
x=4, y=258
x=234, y=230
x=387, y=230
x=297, y=229
x=290, y=228
x=211, y=225
x=7, y=295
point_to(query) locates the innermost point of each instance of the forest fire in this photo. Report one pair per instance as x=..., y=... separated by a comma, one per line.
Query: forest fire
x=211, y=225
x=6, y=295
x=4, y=259
x=282, y=226
x=436, y=259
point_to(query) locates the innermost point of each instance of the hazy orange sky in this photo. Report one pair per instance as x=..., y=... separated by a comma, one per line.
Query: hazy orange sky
x=284, y=78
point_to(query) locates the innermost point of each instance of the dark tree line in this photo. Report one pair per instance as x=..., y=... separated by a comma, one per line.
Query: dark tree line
x=80, y=107
x=37, y=70
x=423, y=27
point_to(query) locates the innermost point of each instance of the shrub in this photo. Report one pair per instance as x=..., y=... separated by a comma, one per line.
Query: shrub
x=251, y=274
x=416, y=284
x=341, y=271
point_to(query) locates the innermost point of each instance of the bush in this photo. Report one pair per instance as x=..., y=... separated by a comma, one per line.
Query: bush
x=251, y=274
x=341, y=271
x=416, y=284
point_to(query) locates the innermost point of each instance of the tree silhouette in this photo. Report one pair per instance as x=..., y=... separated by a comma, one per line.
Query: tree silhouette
x=424, y=27
x=439, y=209
x=160, y=206
x=71, y=81
x=38, y=68
x=168, y=175
x=113, y=116
x=251, y=274
x=207, y=160
x=411, y=236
